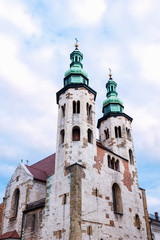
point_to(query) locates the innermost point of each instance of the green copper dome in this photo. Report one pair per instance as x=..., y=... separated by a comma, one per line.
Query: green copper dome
x=76, y=74
x=112, y=104
x=112, y=99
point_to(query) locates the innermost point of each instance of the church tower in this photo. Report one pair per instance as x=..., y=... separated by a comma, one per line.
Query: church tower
x=75, y=149
x=115, y=130
x=76, y=114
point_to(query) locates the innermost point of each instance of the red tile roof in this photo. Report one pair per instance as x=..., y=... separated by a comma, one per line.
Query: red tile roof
x=9, y=235
x=44, y=168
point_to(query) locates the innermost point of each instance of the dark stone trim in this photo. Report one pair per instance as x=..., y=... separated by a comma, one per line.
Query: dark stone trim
x=111, y=103
x=70, y=166
x=116, y=114
x=142, y=189
x=35, y=205
x=75, y=74
x=40, y=180
x=74, y=86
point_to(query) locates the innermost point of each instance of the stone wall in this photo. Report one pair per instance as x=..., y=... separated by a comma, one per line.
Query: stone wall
x=29, y=191
x=32, y=225
x=99, y=220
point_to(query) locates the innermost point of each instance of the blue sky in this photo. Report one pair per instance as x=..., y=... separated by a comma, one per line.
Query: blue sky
x=36, y=38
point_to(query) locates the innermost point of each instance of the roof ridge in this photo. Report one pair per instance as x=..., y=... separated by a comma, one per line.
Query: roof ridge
x=42, y=159
x=36, y=168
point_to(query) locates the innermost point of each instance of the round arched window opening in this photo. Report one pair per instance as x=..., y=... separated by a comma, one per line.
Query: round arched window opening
x=15, y=203
x=117, y=200
x=76, y=133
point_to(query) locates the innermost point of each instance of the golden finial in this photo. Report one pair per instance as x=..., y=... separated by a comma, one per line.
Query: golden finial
x=76, y=45
x=110, y=74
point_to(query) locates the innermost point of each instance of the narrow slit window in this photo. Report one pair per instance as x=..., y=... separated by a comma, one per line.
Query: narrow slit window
x=33, y=222
x=109, y=161
x=113, y=163
x=131, y=156
x=137, y=221
x=116, y=132
x=96, y=192
x=74, y=107
x=90, y=136
x=62, y=134
x=106, y=132
x=119, y=132
x=117, y=165
x=90, y=111
x=78, y=106
x=63, y=110
x=65, y=199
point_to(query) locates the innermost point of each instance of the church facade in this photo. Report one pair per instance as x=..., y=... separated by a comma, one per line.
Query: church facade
x=89, y=189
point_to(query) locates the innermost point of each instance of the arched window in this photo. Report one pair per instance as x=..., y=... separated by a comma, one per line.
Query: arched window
x=106, y=132
x=62, y=134
x=117, y=200
x=76, y=107
x=90, y=136
x=117, y=165
x=116, y=132
x=76, y=58
x=15, y=203
x=131, y=157
x=76, y=134
x=119, y=132
x=109, y=161
x=137, y=221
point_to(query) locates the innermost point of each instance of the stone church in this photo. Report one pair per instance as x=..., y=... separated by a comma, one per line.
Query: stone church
x=88, y=189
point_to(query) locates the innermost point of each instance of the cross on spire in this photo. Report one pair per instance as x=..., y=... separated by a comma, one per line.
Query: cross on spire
x=27, y=161
x=76, y=45
x=110, y=73
x=76, y=40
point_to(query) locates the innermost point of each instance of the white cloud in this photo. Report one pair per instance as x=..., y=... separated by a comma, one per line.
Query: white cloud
x=87, y=11
x=141, y=9
x=16, y=13
x=145, y=127
x=148, y=57
x=8, y=151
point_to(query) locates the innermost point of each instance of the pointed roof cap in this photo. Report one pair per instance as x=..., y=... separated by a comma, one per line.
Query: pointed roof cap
x=76, y=73
x=113, y=103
